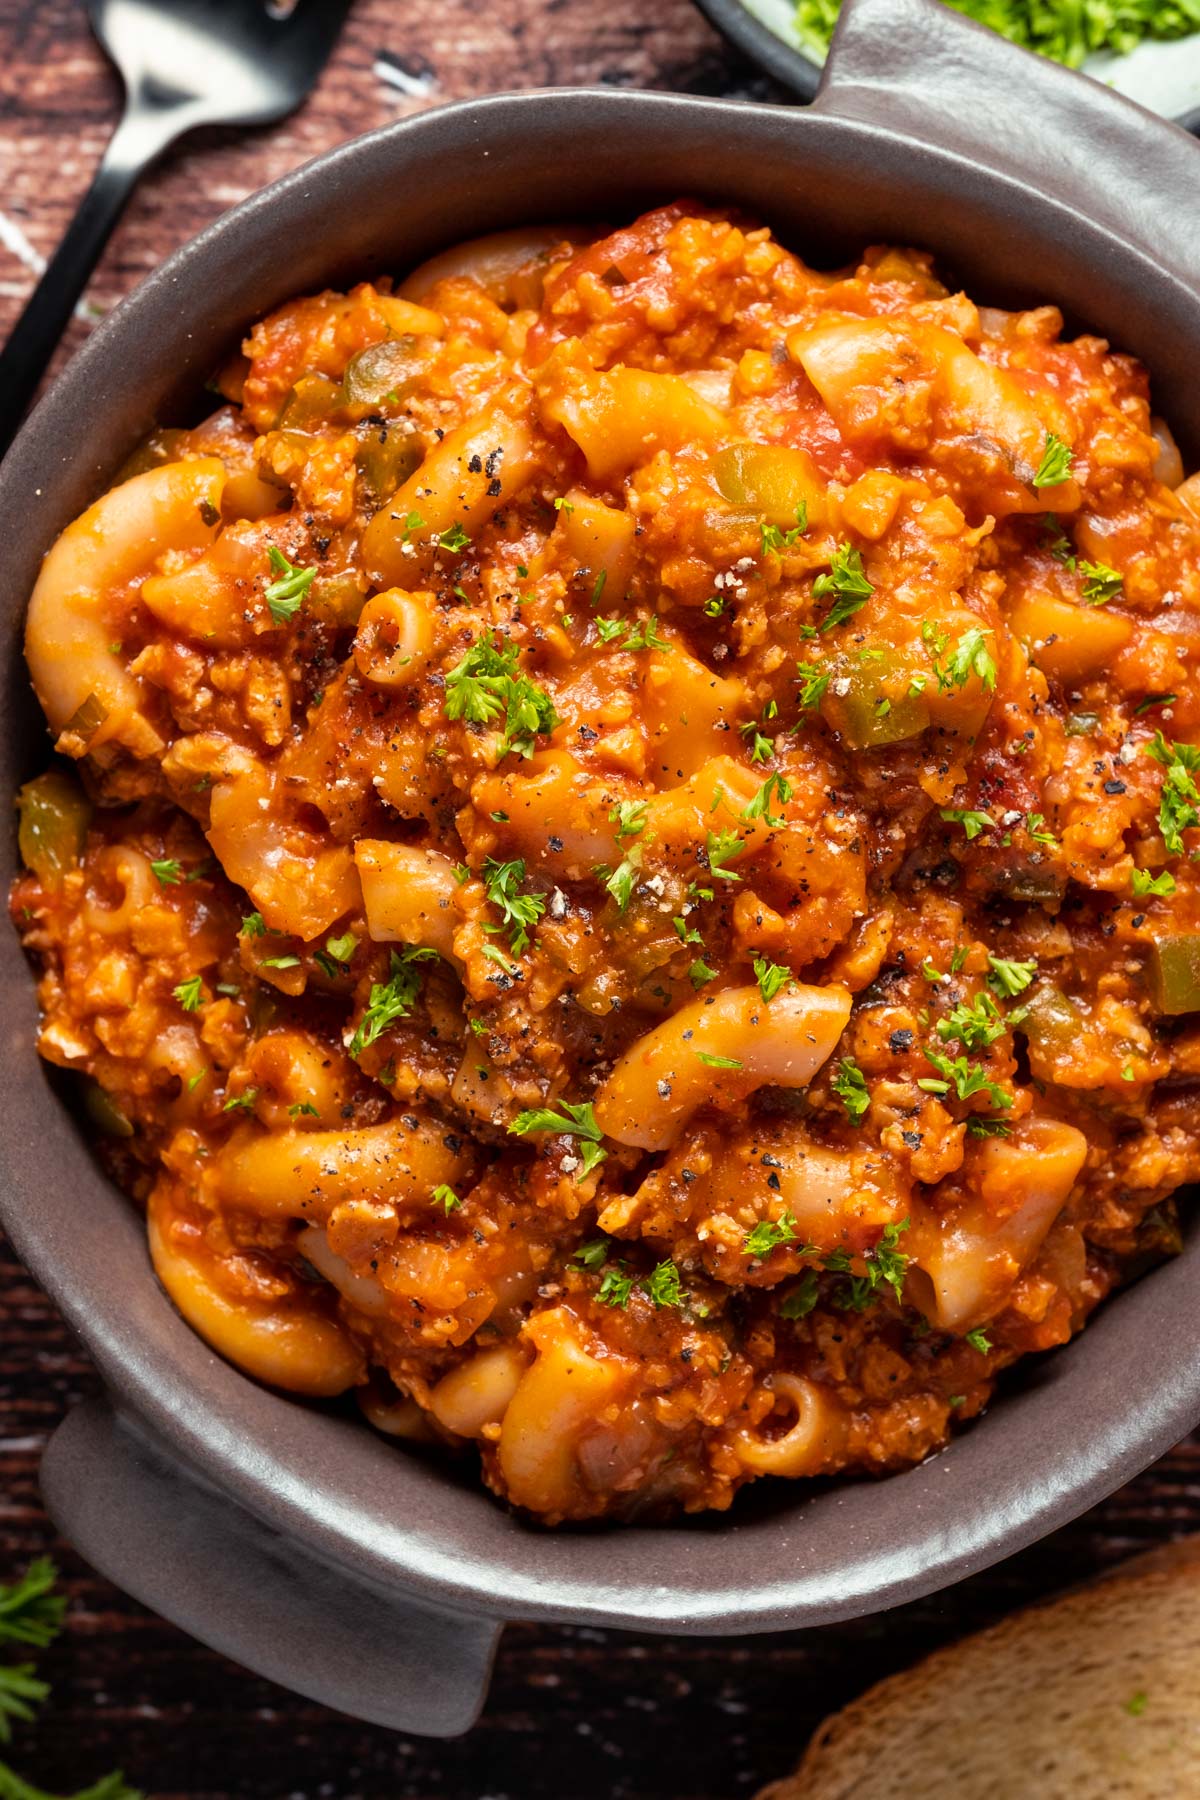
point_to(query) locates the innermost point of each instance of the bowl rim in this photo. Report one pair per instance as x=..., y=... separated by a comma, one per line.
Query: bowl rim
x=797, y=71
x=543, y=1583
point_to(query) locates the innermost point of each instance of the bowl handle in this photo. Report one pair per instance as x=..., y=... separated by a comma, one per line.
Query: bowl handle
x=203, y=1562
x=925, y=71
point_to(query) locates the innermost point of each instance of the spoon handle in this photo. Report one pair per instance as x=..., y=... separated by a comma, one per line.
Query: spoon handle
x=138, y=139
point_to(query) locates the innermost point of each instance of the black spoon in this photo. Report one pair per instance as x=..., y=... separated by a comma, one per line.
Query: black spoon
x=184, y=63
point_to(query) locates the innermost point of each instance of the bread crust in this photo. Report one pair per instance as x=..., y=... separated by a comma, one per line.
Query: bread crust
x=1094, y=1695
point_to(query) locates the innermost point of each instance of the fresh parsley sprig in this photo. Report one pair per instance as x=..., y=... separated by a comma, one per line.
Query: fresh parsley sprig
x=487, y=685
x=288, y=592
x=391, y=999
x=576, y=1120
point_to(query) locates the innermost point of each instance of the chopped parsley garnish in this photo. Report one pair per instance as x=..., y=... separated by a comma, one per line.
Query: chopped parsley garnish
x=1055, y=465
x=663, y=1285
x=446, y=1198
x=189, y=993
x=978, y=1340
x=963, y=1077
x=280, y=962
x=813, y=683
x=719, y=1062
x=253, y=925
x=577, y=1121
x=774, y=540
x=977, y=1127
x=1179, y=801
x=1009, y=978
x=645, y=636
x=342, y=948
x=242, y=1102
x=391, y=999
x=629, y=817
x=770, y=977
x=722, y=847
x=700, y=973
x=1100, y=583
x=970, y=656
x=609, y=629
x=1152, y=701
x=519, y=911
x=768, y=1234
x=761, y=746
x=615, y=1286
x=303, y=1109
x=850, y=1085
x=287, y=593
x=971, y=821
x=760, y=806
x=1146, y=884
x=715, y=607
x=621, y=883
x=592, y=1255
x=1035, y=825
x=884, y=1263
x=168, y=871
x=799, y=1301
x=849, y=584
x=455, y=540
x=486, y=684
x=976, y=1023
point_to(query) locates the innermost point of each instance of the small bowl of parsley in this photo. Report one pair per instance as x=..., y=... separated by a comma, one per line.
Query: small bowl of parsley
x=1148, y=50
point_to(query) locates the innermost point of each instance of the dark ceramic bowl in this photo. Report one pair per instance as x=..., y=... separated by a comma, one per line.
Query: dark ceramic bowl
x=1163, y=76
x=288, y=1535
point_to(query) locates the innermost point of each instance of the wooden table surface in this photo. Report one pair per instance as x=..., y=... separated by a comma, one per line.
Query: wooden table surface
x=574, y=1714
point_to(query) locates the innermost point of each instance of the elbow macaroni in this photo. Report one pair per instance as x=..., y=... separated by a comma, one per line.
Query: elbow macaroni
x=634, y=895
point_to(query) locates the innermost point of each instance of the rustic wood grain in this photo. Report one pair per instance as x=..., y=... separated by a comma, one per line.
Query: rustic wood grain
x=574, y=1714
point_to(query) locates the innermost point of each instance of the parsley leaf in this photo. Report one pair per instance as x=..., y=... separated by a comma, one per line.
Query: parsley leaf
x=577, y=1121
x=621, y=883
x=970, y=656
x=519, y=911
x=774, y=540
x=629, y=817
x=1100, y=583
x=722, y=847
x=850, y=1085
x=769, y=1233
x=486, y=684
x=29, y=1612
x=1179, y=801
x=1144, y=883
x=391, y=999
x=972, y=822
x=976, y=1023
x=849, y=584
x=760, y=806
x=713, y=1061
x=645, y=636
x=168, y=871
x=286, y=595
x=446, y=1198
x=799, y=1301
x=1009, y=978
x=770, y=977
x=189, y=993
x=813, y=683
x=253, y=925
x=965, y=1078
x=978, y=1340
x=1056, y=462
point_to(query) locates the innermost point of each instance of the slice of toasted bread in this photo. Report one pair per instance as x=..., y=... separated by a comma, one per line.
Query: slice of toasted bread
x=1094, y=1696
